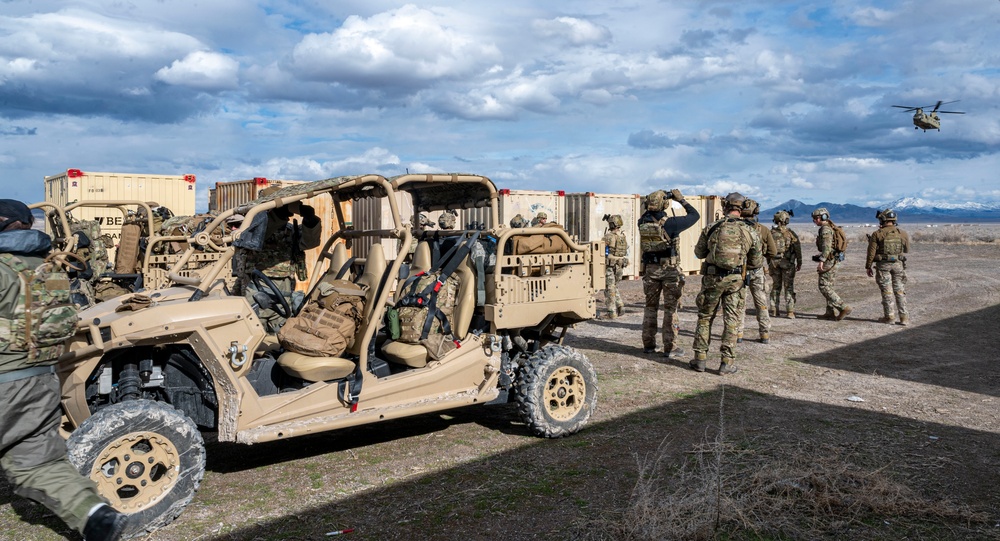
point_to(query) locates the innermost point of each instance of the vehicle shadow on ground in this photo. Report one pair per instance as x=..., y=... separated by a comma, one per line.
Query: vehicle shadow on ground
x=957, y=352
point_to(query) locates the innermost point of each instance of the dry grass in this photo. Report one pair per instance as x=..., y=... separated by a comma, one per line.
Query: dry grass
x=759, y=490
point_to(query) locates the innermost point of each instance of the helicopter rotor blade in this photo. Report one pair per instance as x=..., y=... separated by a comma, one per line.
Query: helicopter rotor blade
x=906, y=108
x=953, y=112
x=936, y=106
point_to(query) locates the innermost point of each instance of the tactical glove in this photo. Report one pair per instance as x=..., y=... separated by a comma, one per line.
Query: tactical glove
x=816, y=258
x=675, y=194
x=309, y=218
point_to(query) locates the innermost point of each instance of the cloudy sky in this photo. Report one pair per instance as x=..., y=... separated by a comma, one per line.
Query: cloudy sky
x=774, y=99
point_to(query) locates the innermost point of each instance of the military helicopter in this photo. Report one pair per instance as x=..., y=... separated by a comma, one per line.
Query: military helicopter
x=928, y=121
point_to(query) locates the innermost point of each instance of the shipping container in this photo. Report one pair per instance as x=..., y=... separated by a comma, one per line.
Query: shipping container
x=585, y=219
x=710, y=210
x=175, y=192
x=528, y=203
x=238, y=192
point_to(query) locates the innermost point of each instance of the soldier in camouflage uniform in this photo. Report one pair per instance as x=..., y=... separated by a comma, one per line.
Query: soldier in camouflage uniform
x=785, y=264
x=447, y=220
x=32, y=452
x=827, y=260
x=659, y=236
x=755, y=281
x=540, y=219
x=616, y=250
x=282, y=258
x=728, y=247
x=886, y=251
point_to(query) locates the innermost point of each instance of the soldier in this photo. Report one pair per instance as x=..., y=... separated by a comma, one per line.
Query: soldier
x=785, y=264
x=540, y=219
x=447, y=220
x=32, y=452
x=660, y=241
x=728, y=246
x=282, y=257
x=757, y=285
x=886, y=250
x=827, y=259
x=616, y=250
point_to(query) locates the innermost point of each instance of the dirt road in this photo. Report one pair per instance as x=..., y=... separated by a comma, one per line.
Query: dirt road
x=853, y=429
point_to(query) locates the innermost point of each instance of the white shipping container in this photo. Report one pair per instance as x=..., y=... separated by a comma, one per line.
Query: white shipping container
x=528, y=203
x=175, y=192
x=710, y=211
x=585, y=219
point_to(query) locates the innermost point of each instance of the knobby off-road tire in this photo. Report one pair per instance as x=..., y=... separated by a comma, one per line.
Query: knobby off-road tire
x=556, y=391
x=146, y=458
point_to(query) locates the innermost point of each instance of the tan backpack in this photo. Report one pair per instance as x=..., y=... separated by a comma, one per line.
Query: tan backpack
x=326, y=324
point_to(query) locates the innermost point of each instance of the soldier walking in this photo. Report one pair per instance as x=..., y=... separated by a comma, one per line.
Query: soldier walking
x=886, y=250
x=784, y=265
x=827, y=260
x=659, y=238
x=728, y=246
x=755, y=280
x=616, y=250
x=36, y=314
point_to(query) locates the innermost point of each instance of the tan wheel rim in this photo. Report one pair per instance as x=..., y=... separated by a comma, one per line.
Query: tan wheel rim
x=565, y=393
x=136, y=471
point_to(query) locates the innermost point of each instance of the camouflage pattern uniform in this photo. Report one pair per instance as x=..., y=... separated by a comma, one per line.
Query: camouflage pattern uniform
x=886, y=249
x=785, y=264
x=616, y=249
x=722, y=286
x=661, y=274
x=32, y=452
x=281, y=260
x=827, y=268
x=540, y=219
x=447, y=220
x=756, y=278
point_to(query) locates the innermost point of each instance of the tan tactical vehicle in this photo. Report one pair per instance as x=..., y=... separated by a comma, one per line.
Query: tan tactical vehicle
x=146, y=375
x=144, y=254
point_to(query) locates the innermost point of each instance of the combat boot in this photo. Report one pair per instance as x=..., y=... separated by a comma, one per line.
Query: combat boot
x=904, y=319
x=765, y=338
x=739, y=338
x=829, y=314
x=774, y=312
x=698, y=364
x=844, y=312
x=887, y=319
x=790, y=314
x=105, y=524
x=673, y=351
x=728, y=368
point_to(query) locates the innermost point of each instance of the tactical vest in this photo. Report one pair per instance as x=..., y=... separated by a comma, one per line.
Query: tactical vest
x=891, y=246
x=96, y=253
x=617, y=245
x=781, y=244
x=44, y=317
x=413, y=313
x=727, y=247
x=280, y=256
x=326, y=324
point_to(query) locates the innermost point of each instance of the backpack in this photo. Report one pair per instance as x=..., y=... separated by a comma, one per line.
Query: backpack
x=44, y=317
x=781, y=243
x=726, y=248
x=839, y=238
x=326, y=324
x=93, y=250
x=413, y=314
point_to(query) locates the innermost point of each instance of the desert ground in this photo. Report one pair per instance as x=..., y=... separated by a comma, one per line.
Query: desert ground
x=835, y=430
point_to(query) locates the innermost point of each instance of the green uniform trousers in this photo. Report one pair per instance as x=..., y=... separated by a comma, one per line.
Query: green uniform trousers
x=715, y=291
x=33, y=454
x=666, y=282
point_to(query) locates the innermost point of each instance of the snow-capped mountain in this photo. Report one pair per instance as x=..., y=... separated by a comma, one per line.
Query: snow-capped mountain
x=912, y=209
x=918, y=204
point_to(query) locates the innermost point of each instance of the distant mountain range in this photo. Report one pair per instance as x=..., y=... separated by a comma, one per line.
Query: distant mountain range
x=909, y=209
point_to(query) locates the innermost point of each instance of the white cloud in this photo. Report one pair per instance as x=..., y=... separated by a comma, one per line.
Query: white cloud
x=573, y=31
x=202, y=70
x=397, y=49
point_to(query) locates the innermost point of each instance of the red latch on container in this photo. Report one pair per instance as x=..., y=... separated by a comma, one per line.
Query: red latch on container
x=561, y=193
x=189, y=178
x=260, y=181
x=74, y=173
x=504, y=191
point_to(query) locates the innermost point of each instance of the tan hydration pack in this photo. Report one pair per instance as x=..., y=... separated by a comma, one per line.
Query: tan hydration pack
x=326, y=324
x=726, y=244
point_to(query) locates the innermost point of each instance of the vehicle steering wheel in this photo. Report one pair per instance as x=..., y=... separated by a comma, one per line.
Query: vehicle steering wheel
x=278, y=301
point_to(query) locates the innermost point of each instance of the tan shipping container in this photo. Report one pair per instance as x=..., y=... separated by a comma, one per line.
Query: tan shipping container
x=710, y=210
x=175, y=192
x=234, y=193
x=585, y=219
x=528, y=203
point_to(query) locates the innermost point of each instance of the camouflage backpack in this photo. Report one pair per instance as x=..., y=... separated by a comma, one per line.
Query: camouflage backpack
x=839, y=238
x=892, y=243
x=727, y=247
x=95, y=249
x=326, y=324
x=414, y=310
x=44, y=317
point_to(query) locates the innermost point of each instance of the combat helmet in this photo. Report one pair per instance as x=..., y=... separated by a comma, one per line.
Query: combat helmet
x=750, y=208
x=615, y=221
x=782, y=217
x=518, y=221
x=887, y=215
x=447, y=219
x=656, y=201
x=821, y=213
x=734, y=201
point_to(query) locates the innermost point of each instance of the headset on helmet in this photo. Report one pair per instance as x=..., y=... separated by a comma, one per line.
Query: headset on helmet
x=821, y=213
x=749, y=208
x=614, y=220
x=782, y=217
x=887, y=215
